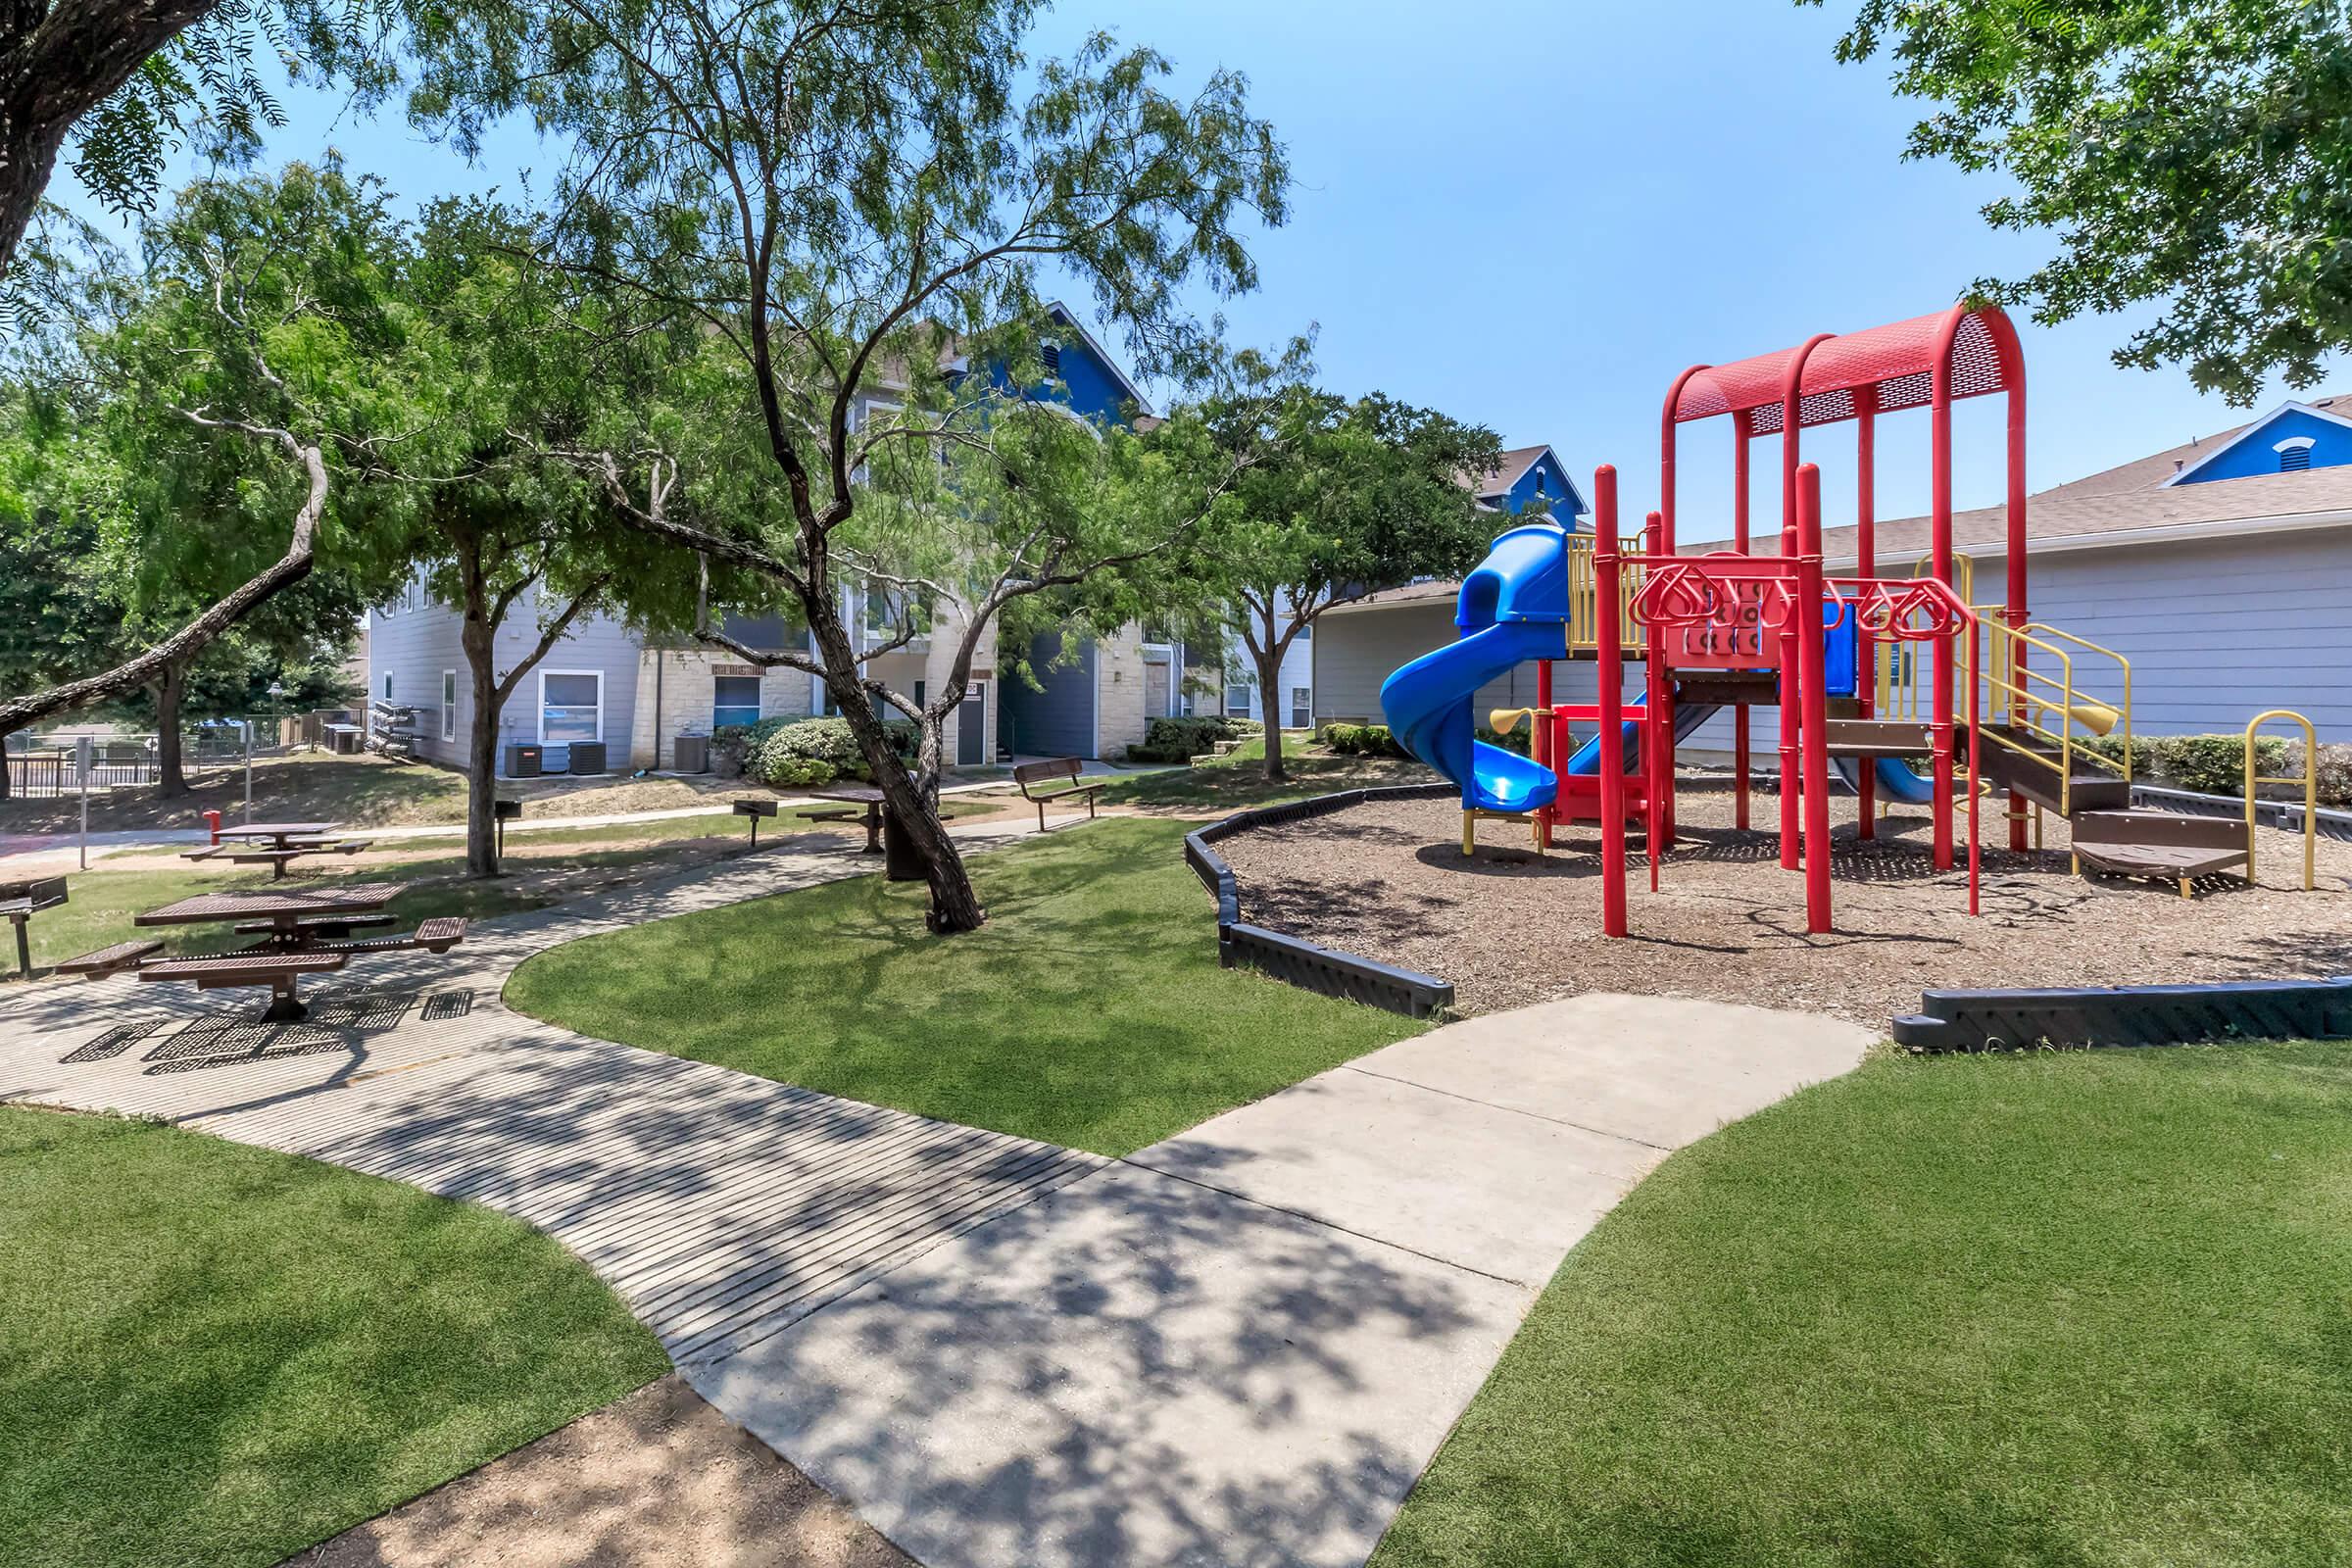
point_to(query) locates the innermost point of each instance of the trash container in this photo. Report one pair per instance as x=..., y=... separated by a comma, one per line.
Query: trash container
x=690, y=754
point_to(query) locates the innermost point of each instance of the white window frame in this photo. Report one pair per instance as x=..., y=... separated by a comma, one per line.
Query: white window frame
x=1292, y=709
x=449, y=705
x=600, y=705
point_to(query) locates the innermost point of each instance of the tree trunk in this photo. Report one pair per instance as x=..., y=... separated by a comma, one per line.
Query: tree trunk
x=1271, y=696
x=7, y=787
x=909, y=801
x=171, y=782
x=479, y=638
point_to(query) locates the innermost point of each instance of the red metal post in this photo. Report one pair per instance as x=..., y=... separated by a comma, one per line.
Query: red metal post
x=1610, y=678
x=1657, y=745
x=1809, y=656
x=1866, y=564
x=1540, y=742
x=1739, y=444
x=1939, y=523
x=1793, y=421
x=2015, y=612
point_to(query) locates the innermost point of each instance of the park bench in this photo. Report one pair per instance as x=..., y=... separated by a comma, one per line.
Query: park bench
x=755, y=809
x=279, y=971
x=1062, y=767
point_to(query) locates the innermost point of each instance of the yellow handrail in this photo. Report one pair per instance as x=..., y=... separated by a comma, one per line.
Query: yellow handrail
x=2123, y=666
x=2310, y=780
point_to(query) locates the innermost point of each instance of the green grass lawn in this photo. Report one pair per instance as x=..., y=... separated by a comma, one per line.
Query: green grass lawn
x=1089, y=1011
x=1236, y=782
x=213, y=1354
x=2059, y=1309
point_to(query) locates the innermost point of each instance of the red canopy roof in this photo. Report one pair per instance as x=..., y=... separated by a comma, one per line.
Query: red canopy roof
x=1896, y=362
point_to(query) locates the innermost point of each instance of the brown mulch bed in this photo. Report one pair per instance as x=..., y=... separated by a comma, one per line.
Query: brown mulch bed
x=1388, y=881
x=659, y=1477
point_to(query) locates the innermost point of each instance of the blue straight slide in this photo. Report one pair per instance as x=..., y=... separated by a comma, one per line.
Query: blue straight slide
x=1687, y=718
x=1427, y=704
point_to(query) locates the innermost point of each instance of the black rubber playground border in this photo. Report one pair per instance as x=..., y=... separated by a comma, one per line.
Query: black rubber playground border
x=1295, y=960
x=2129, y=1015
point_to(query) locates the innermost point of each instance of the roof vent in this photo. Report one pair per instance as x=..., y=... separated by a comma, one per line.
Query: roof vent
x=2294, y=460
x=2178, y=464
x=1049, y=354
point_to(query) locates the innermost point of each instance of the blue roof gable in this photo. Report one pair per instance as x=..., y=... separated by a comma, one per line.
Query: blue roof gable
x=1083, y=379
x=1547, y=478
x=2290, y=439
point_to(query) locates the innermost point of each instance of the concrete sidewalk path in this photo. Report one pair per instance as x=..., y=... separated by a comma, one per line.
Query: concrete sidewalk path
x=1243, y=1344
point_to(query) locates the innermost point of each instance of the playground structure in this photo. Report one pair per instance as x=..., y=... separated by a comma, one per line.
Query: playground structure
x=1862, y=672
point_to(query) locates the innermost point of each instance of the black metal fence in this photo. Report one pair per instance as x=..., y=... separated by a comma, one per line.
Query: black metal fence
x=46, y=772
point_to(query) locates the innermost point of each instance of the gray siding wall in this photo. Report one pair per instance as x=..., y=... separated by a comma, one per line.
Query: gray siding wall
x=1057, y=721
x=1354, y=651
x=416, y=646
x=413, y=647
x=596, y=643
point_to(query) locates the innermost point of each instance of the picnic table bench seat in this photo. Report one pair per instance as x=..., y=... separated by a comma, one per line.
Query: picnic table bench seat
x=210, y=970
x=834, y=813
x=204, y=852
x=437, y=935
x=109, y=960
x=1062, y=767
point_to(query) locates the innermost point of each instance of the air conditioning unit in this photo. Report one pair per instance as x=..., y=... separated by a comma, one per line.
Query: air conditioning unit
x=587, y=756
x=690, y=754
x=523, y=761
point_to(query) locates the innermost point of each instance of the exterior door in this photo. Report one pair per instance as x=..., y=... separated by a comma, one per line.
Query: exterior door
x=1157, y=689
x=971, y=726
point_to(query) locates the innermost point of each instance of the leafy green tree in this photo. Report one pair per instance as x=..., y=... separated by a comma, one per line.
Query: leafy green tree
x=1340, y=499
x=2193, y=152
x=832, y=203
x=116, y=86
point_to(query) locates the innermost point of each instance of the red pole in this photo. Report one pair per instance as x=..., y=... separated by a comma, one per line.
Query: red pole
x=1866, y=564
x=1658, y=743
x=1540, y=742
x=1610, y=678
x=1975, y=741
x=1793, y=419
x=1739, y=440
x=2017, y=615
x=1809, y=678
x=1939, y=511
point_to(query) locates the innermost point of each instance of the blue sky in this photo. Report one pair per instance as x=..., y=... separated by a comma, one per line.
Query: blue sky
x=1533, y=216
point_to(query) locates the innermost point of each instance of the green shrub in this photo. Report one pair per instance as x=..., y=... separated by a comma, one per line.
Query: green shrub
x=2336, y=771
x=1193, y=733
x=2216, y=765
x=805, y=752
x=1362, y=740
x=1521, y=740
x=1245, y=727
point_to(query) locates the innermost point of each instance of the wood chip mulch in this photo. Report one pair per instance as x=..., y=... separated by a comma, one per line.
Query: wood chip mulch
x=1388, y=881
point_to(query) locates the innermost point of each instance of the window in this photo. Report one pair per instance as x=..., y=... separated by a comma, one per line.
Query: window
x=571, y=707
x=387, y=685
x=449, y=705
x=887, y=609
x=1237, y=699
x=1306, y=632
x=1302, y=708
x=734, y=700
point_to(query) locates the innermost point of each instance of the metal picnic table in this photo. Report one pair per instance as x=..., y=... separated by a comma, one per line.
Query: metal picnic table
x=304, y=931
x=864, y=794
x=278, y=842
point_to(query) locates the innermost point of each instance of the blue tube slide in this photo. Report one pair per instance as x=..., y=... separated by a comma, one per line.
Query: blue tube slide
x=1427, y=704
x=1896, y=778
x=1513, y=608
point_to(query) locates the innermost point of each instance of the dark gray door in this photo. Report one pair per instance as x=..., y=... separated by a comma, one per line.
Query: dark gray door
x=971, y=726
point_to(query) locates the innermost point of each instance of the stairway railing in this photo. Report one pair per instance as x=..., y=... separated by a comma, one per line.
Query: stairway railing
x=2308, y=778
x=1584, y=594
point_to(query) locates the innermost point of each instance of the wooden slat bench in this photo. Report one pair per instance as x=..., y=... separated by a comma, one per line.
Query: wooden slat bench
x=204, y=851
x=2159, y=844
x=1062, y=767
x=109, y=960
